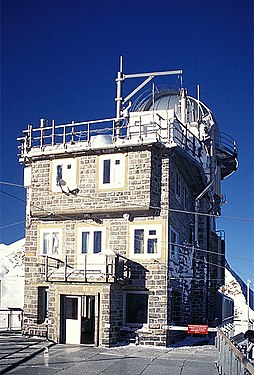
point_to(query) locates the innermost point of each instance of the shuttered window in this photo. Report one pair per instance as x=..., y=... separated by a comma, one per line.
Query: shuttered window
x=42, y=306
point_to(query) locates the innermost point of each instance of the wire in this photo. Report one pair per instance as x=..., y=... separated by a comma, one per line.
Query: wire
x=96, y=225
x=13, y=196
x=11, y=225
x=153, y=207
x=11, y=184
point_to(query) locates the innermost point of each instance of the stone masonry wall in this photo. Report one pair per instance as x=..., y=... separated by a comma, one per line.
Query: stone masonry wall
x=137, y=193
x=151, y=181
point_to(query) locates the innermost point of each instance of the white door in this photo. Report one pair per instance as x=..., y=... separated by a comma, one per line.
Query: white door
x=73, y=319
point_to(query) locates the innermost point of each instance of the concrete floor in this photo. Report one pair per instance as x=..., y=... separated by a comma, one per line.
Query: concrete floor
x=23, y=356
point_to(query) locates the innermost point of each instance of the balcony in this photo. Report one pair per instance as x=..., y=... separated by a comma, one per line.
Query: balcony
x=79, y=137
x=84, y=268
x=226, y=153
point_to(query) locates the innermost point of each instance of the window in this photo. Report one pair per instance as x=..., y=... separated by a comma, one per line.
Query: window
x=91, y=240
x=178, y=185
x=112, y=171
x=146, y=240
x=136, y=308
x=66, y=170
x=42, y=306
x=71, y=308
x=51, y=241
x=174, y=245
x=176, y=307
x=186, y=198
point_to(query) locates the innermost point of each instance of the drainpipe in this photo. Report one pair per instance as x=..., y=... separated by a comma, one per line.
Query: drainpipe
x=197, y=200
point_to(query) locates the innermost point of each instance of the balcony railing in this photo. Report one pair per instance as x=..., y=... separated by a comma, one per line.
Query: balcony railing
x=86, y=267
x=79, y=136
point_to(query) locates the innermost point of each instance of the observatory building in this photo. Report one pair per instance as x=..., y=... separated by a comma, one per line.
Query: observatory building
x=121, y=237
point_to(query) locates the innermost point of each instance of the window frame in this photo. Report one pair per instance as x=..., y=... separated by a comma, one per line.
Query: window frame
x=69, y=175
x=175, y=319
x=91, y=239
x=51, y=231
x=115, y=177
x=175, y=257
x=178, y=186
x=42, y=304
x=135, y=324
x=146, y=228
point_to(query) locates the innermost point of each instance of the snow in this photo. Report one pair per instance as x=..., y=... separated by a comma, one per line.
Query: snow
x=233, y=289
x=12, y=274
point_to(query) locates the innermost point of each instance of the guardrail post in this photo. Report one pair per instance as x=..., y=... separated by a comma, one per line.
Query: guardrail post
x=85, y=268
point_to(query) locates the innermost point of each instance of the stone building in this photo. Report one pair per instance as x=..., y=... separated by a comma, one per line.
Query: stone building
x=121, y=239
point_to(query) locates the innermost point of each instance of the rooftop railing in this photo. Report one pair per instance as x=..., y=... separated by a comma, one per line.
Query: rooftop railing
x=148, y=128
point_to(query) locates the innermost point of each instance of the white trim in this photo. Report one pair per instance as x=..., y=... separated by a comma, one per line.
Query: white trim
x=55, y=243
x=117, y=171
x=91, y=231
x=146, y=228
x=68, y=174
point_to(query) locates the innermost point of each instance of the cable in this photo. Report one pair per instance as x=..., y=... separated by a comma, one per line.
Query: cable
x=96, y=225
x=70, y=218
x=10, y=225
x=92, y=224
x=11, y=184
x=12, y=196
x=153, y=207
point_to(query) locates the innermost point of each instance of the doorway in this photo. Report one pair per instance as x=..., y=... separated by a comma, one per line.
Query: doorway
x=88, y=320
x=77, y=323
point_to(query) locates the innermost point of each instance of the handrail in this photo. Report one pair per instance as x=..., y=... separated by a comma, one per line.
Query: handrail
x=106, y=266
x=11, y=319
x=226, y=363
x=225, y=142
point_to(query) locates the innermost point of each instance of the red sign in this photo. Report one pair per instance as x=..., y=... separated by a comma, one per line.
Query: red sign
x=198, y=329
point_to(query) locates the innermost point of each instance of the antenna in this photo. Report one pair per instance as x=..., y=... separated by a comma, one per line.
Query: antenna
x=121, y=77
x=198, y=97
x=119, y=82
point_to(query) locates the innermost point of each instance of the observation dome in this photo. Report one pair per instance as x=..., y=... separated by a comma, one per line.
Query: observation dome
x=168, y=99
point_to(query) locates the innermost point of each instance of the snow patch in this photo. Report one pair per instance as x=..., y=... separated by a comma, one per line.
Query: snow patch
x=12, y=273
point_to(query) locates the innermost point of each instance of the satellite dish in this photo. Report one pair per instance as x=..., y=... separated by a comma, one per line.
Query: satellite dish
x=62, y=182
x=67, y=191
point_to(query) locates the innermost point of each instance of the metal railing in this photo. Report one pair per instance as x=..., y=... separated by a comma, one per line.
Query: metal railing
x=51, y=135
x=225, y=142
x=11, y=319
x=146, y=128
x=87, y=267
x=232, y=360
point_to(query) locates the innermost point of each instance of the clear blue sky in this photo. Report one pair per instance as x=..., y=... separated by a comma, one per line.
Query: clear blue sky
x=60, y=58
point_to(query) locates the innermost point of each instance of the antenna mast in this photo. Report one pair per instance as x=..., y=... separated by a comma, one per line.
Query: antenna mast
x=121, y=77
x=119, y=83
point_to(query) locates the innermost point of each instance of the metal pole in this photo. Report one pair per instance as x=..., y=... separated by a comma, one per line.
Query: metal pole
x=248, y=303
x=119, y=81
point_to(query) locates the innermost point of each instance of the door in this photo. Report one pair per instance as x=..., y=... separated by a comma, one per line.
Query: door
x=88, y=320
x=72, y=319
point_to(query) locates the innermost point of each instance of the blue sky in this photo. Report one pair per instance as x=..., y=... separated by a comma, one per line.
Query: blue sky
x=60, y=58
